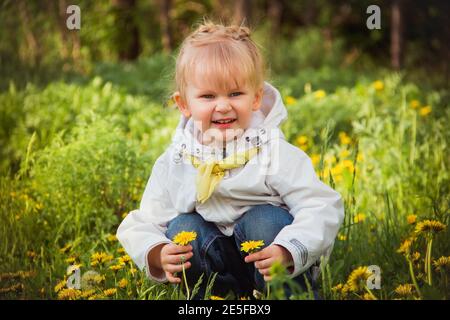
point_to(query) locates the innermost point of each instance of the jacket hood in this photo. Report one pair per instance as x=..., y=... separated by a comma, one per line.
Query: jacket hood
x=264, y=126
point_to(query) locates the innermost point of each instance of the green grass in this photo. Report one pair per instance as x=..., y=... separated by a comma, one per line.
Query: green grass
x=75, y=158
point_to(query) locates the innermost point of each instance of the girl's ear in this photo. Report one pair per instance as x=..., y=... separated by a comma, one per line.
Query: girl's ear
x=257, y=100
x=182, y=105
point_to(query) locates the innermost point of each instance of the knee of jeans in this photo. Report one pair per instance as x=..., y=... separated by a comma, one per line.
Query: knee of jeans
x=190, y=222
x=263, y=222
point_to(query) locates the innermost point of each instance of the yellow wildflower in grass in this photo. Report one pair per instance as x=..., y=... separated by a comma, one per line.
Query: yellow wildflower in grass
x=290, y=100
x=60, y=285
x=315, y=159
x=330, y=159
x=344, y=138
x=342, y=237
x=117, y=267
x=337, y=169
x=96, y=297
x=405, y=247
x=424, y=111
x=121, y=250
x=111, y=238
x=358, y=278
x=367, y=296
x=360, y=217
x=184, y=237
x=132, y=271
x=31, y=254
x=359, y=157
x=124, y=259
x=100, y=257
x=411, y=219
x=71, y=259
x=301, y=140
x=123, y=283
x=344, y=153
x=86, y=294
x=124, y=215
x=404, y=290
x=251, y=246
x=69, y=294
x=319, y=94
x=14, y=288
x=66, y=248
x=109, y=292
x=442, y=263
x=415, y=256
x=414, y=104
x=216, y=298
x=429, y=226
x=378, y=85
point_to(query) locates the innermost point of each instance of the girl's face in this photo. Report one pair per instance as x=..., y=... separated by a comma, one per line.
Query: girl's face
x=220, y=114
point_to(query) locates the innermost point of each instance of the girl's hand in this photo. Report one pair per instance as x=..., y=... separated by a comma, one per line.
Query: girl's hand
x=266, y=257
x=171, y=259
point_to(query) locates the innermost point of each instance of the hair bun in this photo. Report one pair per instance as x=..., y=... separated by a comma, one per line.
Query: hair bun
x=239, y=32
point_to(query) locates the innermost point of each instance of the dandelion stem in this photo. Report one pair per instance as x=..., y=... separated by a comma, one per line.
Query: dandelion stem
x=428, y=260
x=185, y=280
x=370, y=293
x=413, y=277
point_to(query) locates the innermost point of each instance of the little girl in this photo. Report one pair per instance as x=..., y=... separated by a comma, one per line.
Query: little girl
x=230, y=176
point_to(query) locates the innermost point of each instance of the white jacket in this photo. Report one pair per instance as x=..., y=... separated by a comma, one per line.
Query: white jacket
x=280, y=174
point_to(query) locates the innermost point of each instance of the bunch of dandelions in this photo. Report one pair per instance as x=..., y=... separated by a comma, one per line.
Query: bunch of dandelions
x=183, y=238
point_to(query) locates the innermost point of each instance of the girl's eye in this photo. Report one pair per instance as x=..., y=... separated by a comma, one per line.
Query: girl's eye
x=235, y=94
x=207, y=96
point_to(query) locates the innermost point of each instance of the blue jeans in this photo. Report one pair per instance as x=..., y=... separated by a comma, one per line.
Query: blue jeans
x=215, y=252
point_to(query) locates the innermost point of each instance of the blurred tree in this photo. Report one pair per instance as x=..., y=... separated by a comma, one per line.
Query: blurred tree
x=165, y=24
x=127, y=32
x=396, y=33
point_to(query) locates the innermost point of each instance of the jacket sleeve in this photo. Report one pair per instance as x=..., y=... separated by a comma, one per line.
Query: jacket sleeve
x=317, y=209
x=143, y=229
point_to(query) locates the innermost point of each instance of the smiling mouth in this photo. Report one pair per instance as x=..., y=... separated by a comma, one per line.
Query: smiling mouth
x=224, y=121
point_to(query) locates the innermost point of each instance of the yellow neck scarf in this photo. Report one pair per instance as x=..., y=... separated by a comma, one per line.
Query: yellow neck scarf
x=211, y=172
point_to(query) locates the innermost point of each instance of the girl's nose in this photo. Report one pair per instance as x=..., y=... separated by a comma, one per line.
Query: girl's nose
x=223, y=106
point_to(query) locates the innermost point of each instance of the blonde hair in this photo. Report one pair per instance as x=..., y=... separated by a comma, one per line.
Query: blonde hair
x=224, y=56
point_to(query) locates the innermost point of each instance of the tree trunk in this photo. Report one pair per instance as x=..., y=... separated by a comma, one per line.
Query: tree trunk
x=396, y=34
x=164, y=22
x=274, y=11
x=128, y=42
x=242, y=12
x=32, y=42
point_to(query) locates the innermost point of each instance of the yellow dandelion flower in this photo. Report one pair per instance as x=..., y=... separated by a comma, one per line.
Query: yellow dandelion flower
x=124, y=215
x=109, y=292
x=111, y=238
x=367, y=296
x=71, y=259
x=133, y=271
x=96, y=297
x=359, y=157
x=66, y=248
x=442, y=263
x=251, y=246
x=344, y=154
x=85, y=294
x=124, y=259
x=319, y=94
x=404, y=290
x=216, y=298
x=337, y=288
x=330, y=159
x=424, y=111
x=315, y=159
x=360, y=217
x=378, y=85
x=411, y=219
x=415, y=256
x=405, y=246
x=184, y=237
x=344, y=138
x=342, y=237
x=414, y=104
x=290, y=100
x=301, y=140
x=60, y=285
x=121, y=250
x=69, y=294
x=100, y=257
x=358, y=278
x=117, y=267
x=123, y=283
x=429, y=226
